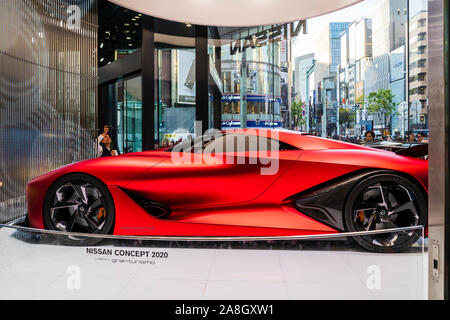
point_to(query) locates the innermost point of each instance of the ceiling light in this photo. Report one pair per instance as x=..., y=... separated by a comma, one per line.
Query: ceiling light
x=130, y=44
x=136, y=24
x=133, y=19
x=188, y=25
x=101, y=45
x=126, y=24
x=101, y=60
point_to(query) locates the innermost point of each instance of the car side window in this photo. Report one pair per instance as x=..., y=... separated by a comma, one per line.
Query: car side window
x=244, y=143
x=231, y=142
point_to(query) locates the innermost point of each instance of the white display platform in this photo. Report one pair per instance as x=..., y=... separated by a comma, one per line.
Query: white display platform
x=33, y=269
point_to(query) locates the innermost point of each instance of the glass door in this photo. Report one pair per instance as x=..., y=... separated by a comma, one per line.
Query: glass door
x=129, y=115
x=175, y=95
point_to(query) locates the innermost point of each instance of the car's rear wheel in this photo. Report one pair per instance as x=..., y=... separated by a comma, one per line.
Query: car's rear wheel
x=383, y=202
x=79, y=203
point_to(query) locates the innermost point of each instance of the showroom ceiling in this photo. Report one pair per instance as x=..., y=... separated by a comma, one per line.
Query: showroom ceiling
x=234, y=12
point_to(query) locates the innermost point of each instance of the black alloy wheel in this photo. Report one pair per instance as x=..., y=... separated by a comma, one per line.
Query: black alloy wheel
x=80, y=204
x=384, y=202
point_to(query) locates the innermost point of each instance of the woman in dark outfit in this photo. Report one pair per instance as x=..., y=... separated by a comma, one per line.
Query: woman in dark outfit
x=105, y=144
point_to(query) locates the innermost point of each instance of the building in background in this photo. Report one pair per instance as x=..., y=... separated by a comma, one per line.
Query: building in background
x=327, y=49
x=253, y=79
x=397, y=61
x=390, y=69
x=356, y=56
x=302, y=65
x=375, y=52
x=418, y=57
x=327, y=52
x=389, y=34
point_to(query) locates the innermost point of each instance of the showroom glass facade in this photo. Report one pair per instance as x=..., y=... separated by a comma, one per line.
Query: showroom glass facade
x=175, y=93
x=124, y=112
x=254, y=73
x=253, y=79
x=129, y=115
x=48, y=92
x=249, y=75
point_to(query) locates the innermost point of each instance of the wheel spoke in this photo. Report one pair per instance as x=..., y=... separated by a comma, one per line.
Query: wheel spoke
x=80, y=201
x=391, y=241
x=385, y=196
x=97, y=203
x=386, y=205
x=406, y=206
x=367, y=209
x=366, y=205
x=370, y=222
x=71, y=223
x=61, y=226
x=81, y=192
x=389, y=225
x=61, y=205
x=91, y=222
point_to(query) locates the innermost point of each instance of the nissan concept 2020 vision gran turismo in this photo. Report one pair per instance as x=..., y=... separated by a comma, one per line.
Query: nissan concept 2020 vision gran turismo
x=240, y=183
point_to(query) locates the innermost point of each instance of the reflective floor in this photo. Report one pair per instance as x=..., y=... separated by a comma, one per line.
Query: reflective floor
x=33, y=266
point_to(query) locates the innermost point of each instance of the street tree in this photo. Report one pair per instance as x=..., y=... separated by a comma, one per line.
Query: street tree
x=382, y=103
x=298, y=117
x=346, y=117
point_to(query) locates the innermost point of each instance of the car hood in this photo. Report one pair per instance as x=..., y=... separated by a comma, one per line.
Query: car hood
x=113, y=171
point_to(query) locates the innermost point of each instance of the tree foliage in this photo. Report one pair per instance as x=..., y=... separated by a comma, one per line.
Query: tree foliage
x=346, y=117
x=381, y=103
x=297, y=113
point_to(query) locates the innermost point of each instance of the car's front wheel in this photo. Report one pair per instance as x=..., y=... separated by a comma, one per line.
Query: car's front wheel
x=79, y=203
x=382, y=202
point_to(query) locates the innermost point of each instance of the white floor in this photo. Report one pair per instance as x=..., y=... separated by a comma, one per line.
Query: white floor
x=42, y=271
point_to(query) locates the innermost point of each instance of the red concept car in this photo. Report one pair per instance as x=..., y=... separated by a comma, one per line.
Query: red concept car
x=287, y=184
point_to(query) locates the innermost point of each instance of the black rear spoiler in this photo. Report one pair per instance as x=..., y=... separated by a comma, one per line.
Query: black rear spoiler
x=417, y=151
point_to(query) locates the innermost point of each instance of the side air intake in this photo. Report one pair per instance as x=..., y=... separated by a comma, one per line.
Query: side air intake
x=155, y=209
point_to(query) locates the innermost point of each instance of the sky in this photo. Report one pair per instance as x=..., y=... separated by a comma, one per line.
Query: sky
x=305, y=43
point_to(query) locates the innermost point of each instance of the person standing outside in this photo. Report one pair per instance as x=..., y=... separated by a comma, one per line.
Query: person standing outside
x=106, y=131
x=422, y=138
x=369, y=137
x=105, y=144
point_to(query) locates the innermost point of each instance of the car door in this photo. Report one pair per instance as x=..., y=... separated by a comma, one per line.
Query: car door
x=228, y=169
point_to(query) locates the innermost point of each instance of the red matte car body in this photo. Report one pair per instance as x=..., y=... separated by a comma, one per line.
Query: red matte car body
x=226, y=199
